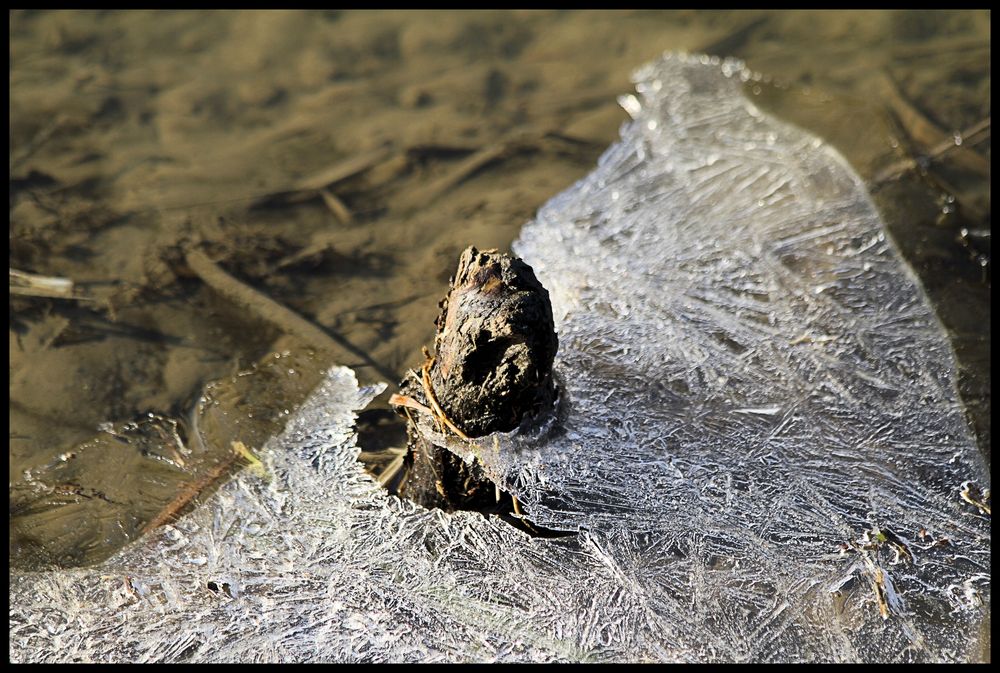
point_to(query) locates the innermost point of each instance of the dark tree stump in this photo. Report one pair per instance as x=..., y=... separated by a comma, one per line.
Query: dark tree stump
x=491, y=371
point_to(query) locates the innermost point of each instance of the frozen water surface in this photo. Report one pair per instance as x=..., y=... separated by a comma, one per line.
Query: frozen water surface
x=759, y=446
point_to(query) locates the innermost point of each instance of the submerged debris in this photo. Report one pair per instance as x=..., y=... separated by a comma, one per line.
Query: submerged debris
x=980, y=499
x=34, y=285
x=678, y=273
x=870, y=547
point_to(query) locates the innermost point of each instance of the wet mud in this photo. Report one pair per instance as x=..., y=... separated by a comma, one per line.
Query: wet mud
x=193, y=192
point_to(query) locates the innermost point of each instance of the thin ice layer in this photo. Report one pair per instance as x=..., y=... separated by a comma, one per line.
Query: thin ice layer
x=750, y=379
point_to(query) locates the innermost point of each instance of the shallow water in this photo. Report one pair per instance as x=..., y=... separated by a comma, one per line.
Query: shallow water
x=136, y=135
x=757, y=406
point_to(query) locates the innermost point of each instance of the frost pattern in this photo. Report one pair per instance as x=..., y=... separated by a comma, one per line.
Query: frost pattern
x=750, y=378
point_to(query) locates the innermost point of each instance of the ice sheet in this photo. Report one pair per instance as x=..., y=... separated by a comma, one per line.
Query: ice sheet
x=758, y=414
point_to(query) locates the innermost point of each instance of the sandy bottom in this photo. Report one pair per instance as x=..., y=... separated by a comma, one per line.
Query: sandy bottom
x=339, y=162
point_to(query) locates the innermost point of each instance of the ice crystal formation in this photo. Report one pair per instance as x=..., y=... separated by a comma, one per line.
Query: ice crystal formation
x=759, y=447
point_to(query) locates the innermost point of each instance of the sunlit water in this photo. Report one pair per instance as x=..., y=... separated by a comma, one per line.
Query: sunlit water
x=758, y=453
x=134, y=136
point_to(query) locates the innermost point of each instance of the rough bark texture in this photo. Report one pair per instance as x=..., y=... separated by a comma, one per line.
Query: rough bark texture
x=491, y=370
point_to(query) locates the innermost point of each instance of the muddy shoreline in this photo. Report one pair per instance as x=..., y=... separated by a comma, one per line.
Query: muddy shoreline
x=338, y=163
